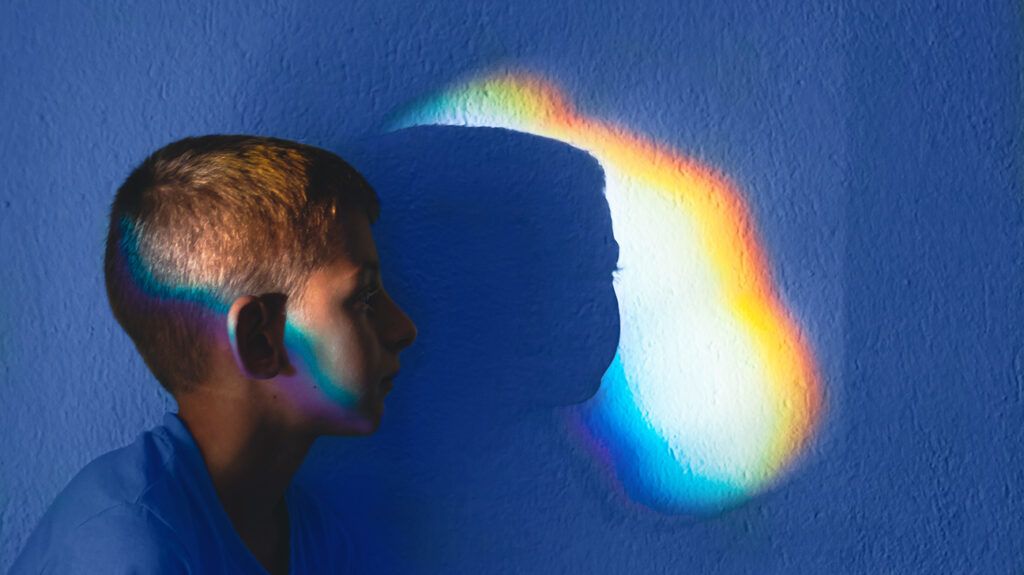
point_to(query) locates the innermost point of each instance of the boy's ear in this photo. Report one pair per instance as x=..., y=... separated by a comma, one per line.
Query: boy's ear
x=256, y=332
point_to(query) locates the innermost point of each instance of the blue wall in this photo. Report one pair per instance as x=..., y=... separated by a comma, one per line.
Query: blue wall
x=879, y=149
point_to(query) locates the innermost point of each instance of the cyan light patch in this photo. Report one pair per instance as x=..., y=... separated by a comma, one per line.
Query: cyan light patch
x=297, y=341
x=149, y=286
x=303, y=347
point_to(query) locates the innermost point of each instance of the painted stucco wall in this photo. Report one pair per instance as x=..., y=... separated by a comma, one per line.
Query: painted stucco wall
x=876, y=148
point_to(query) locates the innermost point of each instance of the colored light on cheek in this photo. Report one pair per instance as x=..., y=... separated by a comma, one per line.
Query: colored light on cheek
x=301, y=348
x=183, y=300
x=713, y=392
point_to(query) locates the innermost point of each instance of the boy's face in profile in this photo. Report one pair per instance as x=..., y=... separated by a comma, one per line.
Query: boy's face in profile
x=343, y=338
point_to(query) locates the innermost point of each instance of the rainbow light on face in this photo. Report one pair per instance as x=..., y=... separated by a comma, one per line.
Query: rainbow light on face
x=185, y=300
x=713, y=392
x=301, y=346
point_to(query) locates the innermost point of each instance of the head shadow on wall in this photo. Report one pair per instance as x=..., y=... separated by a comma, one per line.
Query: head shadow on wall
x=505, y=247
x=499, y=246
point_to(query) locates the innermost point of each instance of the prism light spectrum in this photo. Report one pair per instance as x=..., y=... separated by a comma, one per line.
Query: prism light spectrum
x=713, y=392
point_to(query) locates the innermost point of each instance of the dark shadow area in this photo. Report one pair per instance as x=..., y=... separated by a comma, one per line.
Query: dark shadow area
x=499, y=246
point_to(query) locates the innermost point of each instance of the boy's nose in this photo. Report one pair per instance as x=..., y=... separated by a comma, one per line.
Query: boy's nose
x=403, y=330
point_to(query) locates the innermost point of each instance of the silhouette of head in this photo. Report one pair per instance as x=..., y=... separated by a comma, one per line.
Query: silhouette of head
x=500, y=245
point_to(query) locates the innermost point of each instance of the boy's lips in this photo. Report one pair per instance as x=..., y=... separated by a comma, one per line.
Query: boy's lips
x=387, y=383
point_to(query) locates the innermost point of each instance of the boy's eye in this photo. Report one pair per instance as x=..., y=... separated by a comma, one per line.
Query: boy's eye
x=368, y=295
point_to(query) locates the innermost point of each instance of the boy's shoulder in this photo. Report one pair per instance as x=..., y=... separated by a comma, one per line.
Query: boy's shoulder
x=150, y=507
x=121, y=508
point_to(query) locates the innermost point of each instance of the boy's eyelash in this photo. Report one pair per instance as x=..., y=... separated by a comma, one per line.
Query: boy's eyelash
x=365, y=299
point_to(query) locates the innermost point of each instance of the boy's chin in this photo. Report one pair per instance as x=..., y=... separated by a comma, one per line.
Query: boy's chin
x=365, y=422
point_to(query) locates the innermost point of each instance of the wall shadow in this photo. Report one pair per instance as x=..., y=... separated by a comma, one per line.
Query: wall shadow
x=499, y=245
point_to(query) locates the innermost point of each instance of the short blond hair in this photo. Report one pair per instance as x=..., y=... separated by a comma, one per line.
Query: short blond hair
x=205, y=220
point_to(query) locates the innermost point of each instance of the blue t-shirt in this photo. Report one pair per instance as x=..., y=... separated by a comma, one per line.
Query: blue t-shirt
x=151, y=507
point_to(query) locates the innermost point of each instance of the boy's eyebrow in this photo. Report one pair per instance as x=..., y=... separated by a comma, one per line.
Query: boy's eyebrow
x=364, y=275
x=368, y=269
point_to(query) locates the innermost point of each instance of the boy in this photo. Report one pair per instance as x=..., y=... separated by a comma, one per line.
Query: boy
x=244, y=270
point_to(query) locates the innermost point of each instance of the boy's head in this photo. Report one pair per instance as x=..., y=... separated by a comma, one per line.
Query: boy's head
x=256, y=254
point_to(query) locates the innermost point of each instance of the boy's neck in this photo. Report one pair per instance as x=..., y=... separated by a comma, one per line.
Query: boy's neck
x=251, y=455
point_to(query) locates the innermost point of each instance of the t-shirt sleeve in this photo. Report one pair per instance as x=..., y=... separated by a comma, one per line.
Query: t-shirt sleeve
x=119, y=541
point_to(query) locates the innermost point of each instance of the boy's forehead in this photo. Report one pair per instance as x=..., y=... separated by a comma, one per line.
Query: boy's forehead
x=357, y=239
x=357, y=253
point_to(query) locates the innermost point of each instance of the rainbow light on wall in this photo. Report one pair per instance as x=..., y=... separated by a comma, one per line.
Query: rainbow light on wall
x=713, y=392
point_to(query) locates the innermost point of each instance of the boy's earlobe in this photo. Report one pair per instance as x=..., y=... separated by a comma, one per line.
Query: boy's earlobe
x=256, y=333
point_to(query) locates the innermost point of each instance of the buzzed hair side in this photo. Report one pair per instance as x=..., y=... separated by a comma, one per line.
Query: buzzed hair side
x=205, y=220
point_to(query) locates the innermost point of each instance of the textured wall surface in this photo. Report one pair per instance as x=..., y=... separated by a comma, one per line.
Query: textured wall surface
x=878, y=149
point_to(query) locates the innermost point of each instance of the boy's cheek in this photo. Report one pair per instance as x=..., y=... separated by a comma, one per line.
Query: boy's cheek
x=319, y=366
